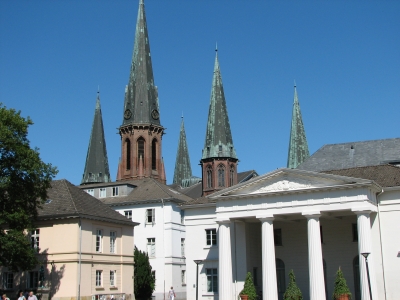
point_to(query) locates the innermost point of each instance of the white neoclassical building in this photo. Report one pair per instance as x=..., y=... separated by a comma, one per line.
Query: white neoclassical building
x=310, y=222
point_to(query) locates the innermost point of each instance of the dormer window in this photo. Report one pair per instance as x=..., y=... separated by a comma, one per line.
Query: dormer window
x=115, y=191
x=220, y=148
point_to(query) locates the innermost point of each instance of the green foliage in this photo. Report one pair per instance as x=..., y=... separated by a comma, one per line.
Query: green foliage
x=24, y=180
x=144, y=282
x=292, y=291
x=341, y=287
x=249, y=288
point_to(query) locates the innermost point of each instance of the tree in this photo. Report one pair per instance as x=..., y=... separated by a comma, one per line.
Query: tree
x=144, y=282
x=24, y=180
x=341, y=287
x=249, y=288
x=292, y=291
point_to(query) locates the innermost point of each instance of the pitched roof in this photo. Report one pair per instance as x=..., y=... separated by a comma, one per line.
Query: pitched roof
x=384, y=175
x=66, y=200
x=298, y=147
x=183, y=169
x=355, y=154
x=96, y=166
x=145, y=190
x=141, y=95
x=218, y=140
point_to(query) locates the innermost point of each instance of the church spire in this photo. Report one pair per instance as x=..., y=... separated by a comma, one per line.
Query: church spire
x=219, y=160
x=96, y=167
x=298, y=147
x=183, y=169
x=141, y=97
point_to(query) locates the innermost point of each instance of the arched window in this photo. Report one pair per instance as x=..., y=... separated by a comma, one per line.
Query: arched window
x=209, y=177
x=154, y=154
x=356, y=272
x=128, y=153
x=231, y=175
x=221, y=176
x=140, y=149
x=280, y=277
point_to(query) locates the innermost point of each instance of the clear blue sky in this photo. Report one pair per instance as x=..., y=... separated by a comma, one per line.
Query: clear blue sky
x=344, y=56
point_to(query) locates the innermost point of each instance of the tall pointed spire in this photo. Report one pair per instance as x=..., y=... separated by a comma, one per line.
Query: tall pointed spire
x=218, y=134
x=298, y=147
x=183, y=169
x=96, y=167
x=219, y=160
x=141, y=97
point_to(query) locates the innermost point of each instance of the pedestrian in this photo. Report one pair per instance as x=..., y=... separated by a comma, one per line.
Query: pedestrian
x=171, y=294
x=26, y=294
x=31, y=296
x=21, y=295
x=4, y=297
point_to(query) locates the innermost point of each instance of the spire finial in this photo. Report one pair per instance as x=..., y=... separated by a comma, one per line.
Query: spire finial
x=216, y=47
x=182, y=114
x=294, y=83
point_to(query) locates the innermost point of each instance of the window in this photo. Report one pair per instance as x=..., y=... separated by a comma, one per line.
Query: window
x=231, y=175
x=183, y=247
x=278, y=237
x=211, y=235
x=356, y=274
x=90, y=192
x=98, y=278
x=102, y=192
x=128, y=153
x=99, y=238
x=355, y=232
x=115, y=191
x=153, y=273
x=255, y=277
x=113, y=237
x=113, y=278
x=321, y=234
x=128, y=214
x=8, y=279
x=154, y=154
x=182, y=212
x=280, y=277
x=221, y=176
x=140, y=149
x=209, y=177
x=220, y=148
x=33, y=280
x=183, y=277
x=150, y=216
x=35, y=239
x=212, y=280
x=151, y=247
x=326, y=284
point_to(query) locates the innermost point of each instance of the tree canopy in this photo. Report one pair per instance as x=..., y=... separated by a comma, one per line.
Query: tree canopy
x=144, y=282
x=24, y=180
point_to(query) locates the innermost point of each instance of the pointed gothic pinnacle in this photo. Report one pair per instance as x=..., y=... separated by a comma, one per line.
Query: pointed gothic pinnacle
x=294, y=83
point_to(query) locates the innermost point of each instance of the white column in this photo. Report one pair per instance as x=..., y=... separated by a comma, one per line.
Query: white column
x=365, y=245
x=270, y=289
x=225, y=283
x=315, y=265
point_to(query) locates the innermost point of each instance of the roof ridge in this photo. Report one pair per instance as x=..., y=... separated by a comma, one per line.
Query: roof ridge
x=69, y=193
x=360, y=167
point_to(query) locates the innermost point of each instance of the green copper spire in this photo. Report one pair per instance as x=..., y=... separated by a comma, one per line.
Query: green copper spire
x=183, y=169
x=96, y=167
x=141, y=96
x=218, y=141
x=298, y=147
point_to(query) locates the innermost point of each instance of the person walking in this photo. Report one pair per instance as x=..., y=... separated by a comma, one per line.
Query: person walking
x=31, y=296
x=4, y=297
x=171, y=294
x=21, y=295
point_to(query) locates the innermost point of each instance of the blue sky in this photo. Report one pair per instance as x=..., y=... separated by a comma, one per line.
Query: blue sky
x=344, y=56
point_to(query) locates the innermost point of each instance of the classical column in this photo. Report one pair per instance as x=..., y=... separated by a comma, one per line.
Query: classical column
x=225, y=282
x=315, y=265
x=270, y=289
x=365, y=245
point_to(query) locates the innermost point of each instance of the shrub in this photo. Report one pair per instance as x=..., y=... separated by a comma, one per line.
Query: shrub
x=249, y=288
x=341, y=287
x=292, y=291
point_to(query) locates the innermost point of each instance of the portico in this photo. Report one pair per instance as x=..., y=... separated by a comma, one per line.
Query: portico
x=299, y=204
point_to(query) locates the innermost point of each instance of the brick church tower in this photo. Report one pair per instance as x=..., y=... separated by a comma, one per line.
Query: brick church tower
x=219, y=160
x=141, y=131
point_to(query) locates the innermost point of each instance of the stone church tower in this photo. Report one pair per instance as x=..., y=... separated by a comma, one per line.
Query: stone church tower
x=219, y=160
x=141, y=131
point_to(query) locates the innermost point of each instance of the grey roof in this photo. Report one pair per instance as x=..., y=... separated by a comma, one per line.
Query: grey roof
x=355, y=154
x=183, y=170
x=298, y=147
x=218, y=134
x=141, y=95
x=68, y=201
x=96, y=166
x=384, y=175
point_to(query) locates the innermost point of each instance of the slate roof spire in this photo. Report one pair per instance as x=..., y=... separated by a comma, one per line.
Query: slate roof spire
x=183, y=170
x=298, y=147
x=218, y=140
x=141, y=96
x=96, y=167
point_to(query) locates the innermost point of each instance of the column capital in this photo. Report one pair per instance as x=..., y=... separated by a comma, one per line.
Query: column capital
x=263, y=218
x=362, y=210
x=223, y=221
x=311, y=214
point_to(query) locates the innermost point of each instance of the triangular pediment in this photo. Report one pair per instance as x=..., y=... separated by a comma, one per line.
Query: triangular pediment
x=287, y=180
